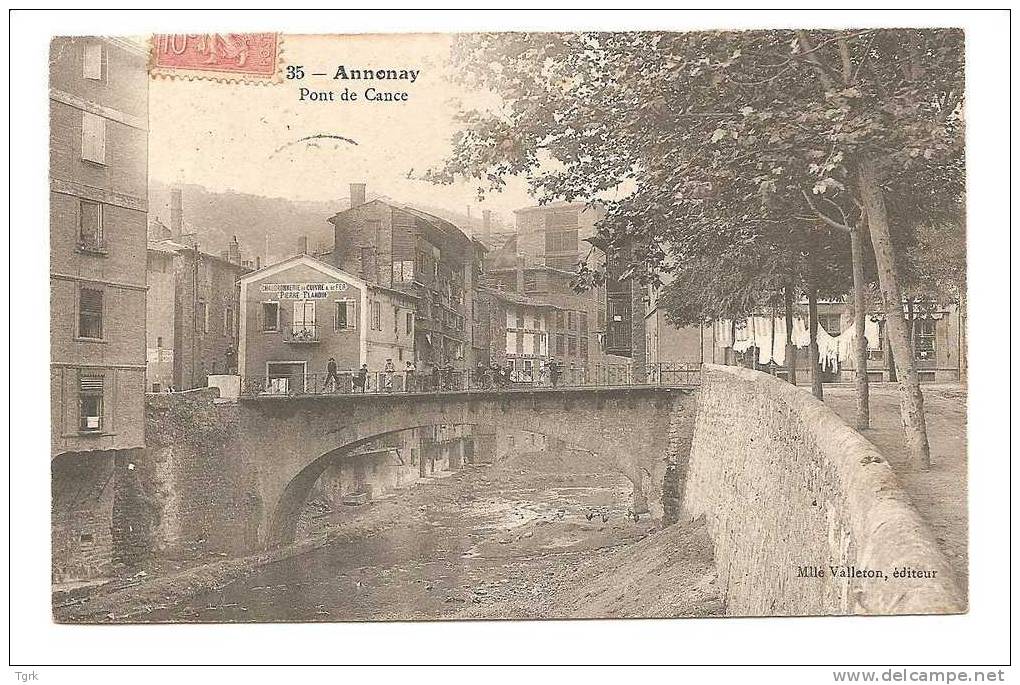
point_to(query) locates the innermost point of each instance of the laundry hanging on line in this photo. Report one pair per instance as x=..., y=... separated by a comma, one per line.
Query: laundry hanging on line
x=768, y=335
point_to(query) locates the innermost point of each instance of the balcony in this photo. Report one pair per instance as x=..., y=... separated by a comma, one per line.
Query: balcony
x=92, y=245
x=301, y=333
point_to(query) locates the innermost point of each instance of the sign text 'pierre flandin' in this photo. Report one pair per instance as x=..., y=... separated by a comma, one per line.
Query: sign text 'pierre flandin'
x=372, y=93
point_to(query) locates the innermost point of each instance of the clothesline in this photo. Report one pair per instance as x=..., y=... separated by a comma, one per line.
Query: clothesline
x=757, y=331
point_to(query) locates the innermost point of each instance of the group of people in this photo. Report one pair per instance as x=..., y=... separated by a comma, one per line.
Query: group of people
x=438, y=377
x=496, y=376
x=360, y=379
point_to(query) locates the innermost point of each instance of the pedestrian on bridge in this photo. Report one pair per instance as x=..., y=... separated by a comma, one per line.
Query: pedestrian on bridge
x=361, y=378
x=387, y=378
x=409, y=380
x=331, y=376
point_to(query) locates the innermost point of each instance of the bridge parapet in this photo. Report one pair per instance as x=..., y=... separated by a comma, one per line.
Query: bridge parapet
x=353, y=382
x=787, y=488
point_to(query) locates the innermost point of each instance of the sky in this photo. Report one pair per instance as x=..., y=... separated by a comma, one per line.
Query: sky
x=229, y=136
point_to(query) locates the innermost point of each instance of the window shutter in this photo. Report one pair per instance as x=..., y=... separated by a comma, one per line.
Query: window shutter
x=93, y=138
x=91, y=383
x=92, y=67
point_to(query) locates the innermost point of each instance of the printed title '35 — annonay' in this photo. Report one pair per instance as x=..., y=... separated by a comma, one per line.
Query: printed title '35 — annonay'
x=345, y=74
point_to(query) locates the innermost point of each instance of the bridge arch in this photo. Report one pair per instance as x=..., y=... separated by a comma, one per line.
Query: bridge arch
x=291, y=440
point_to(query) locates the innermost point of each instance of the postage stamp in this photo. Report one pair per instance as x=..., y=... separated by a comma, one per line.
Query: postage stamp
x=244, y=57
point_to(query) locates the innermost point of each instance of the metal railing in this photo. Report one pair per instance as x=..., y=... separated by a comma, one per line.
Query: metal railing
x=301, y=333
x=352, y=382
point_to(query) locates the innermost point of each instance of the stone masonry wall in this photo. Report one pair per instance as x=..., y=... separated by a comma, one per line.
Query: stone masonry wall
x=783, y=484
x=203, y=488
x=83, y=487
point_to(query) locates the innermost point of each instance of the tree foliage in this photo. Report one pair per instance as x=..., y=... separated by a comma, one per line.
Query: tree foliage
x=720, y=151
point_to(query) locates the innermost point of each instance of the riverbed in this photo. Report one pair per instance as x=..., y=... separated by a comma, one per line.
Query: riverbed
x=512, y=540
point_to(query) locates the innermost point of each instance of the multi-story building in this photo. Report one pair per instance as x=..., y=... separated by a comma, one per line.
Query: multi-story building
x=191, y=314
x=427, y=257
x=191, y=307
x=298, y=313
x=541, y=263
x=98, y=219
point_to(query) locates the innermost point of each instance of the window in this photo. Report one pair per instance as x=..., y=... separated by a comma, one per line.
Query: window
x=559, y=320
x=571, y=346
x=924, y=339
x=396, y=321
x=90, y=313
x=228, y=322
x=583, y=322
x=520, y=320
x=530, y=282
x=303, y=323
x=571, y=321
x=159, y=341
x=584, y=346
x=202, y=317
x=90, y=403
x=831, y=324
x=90, y=226
x=93, y=138
x=343, y=316
x=409, y=323
x=561, y=241
x=377, y=316
x=560, y=344
x=271, y=317
x=92, y=62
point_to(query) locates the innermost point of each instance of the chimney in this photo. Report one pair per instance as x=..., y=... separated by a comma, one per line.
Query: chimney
x=302, y=244
x=234, y=251
x=486, y=226
x=258, y=262
x=357, y=194
x=176, y=213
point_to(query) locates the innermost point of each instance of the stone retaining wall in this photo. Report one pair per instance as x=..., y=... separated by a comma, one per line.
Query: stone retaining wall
x=786, y=487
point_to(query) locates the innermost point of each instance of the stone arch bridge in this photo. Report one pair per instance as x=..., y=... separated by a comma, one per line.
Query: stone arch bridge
x=290, y=441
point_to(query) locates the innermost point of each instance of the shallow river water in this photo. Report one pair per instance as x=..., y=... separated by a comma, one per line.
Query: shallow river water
x=466, y=540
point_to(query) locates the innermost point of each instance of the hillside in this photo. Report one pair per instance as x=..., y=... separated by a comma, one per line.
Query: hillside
x=216, y=216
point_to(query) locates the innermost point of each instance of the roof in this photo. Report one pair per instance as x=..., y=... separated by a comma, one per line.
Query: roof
x=172, y=247
x=558, y=204
x=511, y=297
x=438, y=223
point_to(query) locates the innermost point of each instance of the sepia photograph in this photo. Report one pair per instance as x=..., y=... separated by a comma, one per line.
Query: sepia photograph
x=510, y=325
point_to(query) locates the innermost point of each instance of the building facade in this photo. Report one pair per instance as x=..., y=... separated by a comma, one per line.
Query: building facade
x=191, y=315
x=414, y=252
x=299, y=313
x=98, y=217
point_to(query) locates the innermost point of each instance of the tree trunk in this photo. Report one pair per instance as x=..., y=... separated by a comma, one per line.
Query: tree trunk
x=791, y=349
x=816, y=367
x=911, y=400
x=860, y=342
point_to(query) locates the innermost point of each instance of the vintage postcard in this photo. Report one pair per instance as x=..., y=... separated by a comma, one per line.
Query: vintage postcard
x=519, y=325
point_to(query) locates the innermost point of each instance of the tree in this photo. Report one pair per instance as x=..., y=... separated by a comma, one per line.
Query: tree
x=700, y=142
